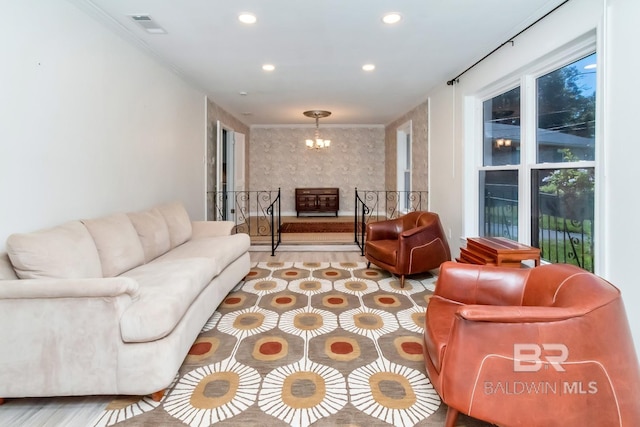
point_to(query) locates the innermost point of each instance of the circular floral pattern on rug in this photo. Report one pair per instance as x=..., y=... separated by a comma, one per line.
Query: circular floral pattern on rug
x=301, y=393
x=368, y=322
x=265, y=286
x=126, y=407
x=310, y=286
x=308, y=322
x=301, y=344
x=356, y=286
x=412, y=319
x=213, y=393
x=311, y=266
x=393, y=393
x=248, y=322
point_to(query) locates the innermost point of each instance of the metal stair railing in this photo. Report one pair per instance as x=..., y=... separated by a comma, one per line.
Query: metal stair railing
x=256, y=213
x=377, y=205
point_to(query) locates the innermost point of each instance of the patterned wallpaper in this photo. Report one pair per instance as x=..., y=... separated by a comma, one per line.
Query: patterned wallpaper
x=360, y=156
x=419, y=148
x=279, y=158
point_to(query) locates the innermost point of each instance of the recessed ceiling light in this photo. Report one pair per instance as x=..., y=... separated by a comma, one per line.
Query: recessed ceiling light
x=247, y=18
x=243, y=93
x=368, y=67
x=590, y=66
x=268, y=67
x=391, y=18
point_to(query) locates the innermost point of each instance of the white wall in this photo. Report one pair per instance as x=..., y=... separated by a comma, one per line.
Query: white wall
x=622, y=174
x=620, y=36
x=88, y=124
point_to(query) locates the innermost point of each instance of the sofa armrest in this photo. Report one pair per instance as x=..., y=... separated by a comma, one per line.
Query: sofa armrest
x=62, y=336
x=211, y=228
x=479, y=284
x=68, y=288
x=516, y=314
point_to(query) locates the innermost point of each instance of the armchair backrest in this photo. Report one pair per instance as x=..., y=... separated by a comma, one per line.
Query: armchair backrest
x=564, y=285
x=411, y=219
x=474, y=284
x=418, y=219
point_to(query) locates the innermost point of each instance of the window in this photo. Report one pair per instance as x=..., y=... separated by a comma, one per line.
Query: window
x=403, y=141
x=501, y=148
x=554, y=169
x=501, y=126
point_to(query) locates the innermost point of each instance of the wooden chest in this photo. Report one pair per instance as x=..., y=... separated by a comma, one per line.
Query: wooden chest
x=317, y=200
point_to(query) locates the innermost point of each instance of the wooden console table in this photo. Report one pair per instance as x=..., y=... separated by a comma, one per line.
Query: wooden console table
x=497, y=251
x=317, y=200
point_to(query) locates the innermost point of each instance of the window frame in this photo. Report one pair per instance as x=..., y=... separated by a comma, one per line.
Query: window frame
x=526, y=77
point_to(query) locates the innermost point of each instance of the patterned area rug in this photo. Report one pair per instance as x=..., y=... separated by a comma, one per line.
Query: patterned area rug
x=317, y=227
x=302, y=344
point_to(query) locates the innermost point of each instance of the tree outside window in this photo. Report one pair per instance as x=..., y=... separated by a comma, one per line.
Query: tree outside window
x=562, y=178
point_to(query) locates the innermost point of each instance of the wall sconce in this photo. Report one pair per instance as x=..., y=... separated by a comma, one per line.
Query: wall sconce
x=503, y=143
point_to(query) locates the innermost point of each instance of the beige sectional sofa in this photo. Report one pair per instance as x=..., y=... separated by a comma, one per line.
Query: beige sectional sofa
x=111, y=305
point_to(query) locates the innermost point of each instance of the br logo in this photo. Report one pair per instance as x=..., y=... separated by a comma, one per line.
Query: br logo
x=531, y=357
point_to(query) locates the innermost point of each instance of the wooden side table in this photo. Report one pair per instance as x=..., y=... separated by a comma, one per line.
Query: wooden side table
x=497, y=251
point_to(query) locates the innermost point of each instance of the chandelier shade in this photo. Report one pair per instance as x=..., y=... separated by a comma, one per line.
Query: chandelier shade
x=317, y=143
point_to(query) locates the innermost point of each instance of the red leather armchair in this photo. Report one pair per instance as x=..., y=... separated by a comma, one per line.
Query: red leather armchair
x=547, y=346
x=413, y=243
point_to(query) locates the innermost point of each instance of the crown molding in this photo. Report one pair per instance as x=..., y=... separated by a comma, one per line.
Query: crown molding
x=313, y=126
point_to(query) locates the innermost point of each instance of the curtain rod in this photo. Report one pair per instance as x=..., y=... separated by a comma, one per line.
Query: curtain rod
x=456, y=78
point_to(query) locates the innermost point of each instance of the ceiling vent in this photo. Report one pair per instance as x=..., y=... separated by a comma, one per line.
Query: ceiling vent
x=148, y=24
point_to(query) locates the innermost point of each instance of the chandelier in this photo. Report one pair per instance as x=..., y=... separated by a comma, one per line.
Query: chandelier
x=318, y=142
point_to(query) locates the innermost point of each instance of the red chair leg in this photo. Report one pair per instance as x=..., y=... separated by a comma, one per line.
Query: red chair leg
x=157, y=396
x=452, y=417
x=402, y=281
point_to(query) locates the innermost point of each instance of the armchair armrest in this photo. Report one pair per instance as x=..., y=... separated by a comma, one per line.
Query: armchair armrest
x=414, y=236
x=211, y=228
x=384, y=230
x=516, y=314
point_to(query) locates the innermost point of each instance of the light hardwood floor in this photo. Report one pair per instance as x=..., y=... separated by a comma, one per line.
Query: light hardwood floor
x=328, y=254
x=81, y=411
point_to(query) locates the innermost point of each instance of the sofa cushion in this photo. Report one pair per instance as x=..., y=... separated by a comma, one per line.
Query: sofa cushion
x=63, y=252
x=178, y=222
x=166, y=291
x=117, y=242
x=383, y=250
x=6, y=269
x=153, y=232
x=222, y=250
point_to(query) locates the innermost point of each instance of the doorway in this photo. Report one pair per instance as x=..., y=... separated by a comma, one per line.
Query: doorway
x=225, y=173
x=403, y=185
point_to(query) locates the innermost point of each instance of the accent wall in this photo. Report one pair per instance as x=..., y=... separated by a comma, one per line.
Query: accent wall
x=280, y=159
